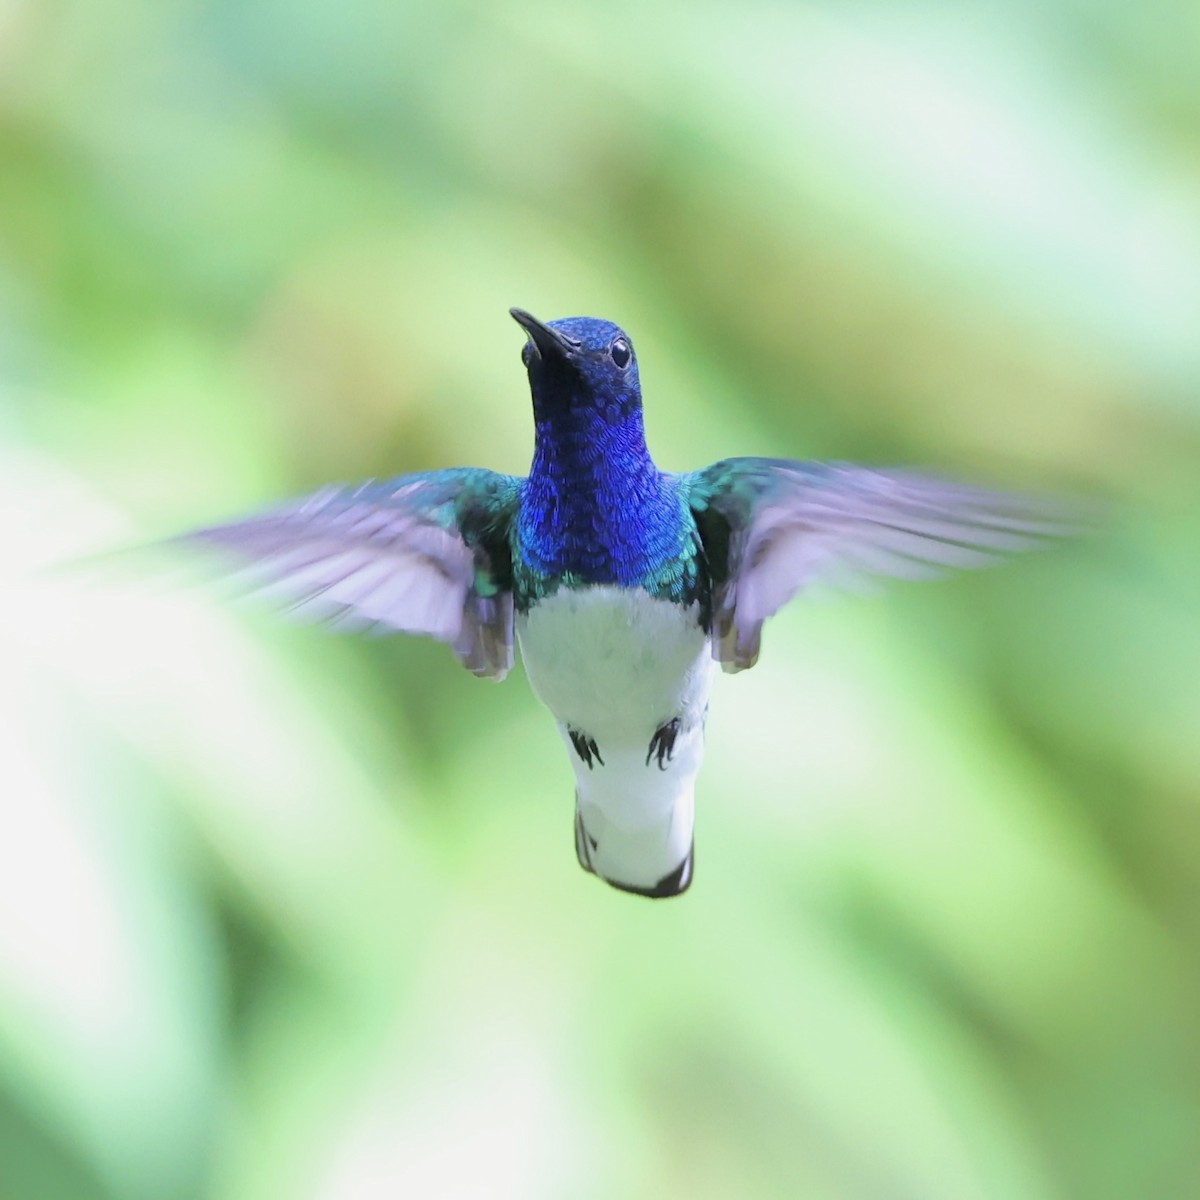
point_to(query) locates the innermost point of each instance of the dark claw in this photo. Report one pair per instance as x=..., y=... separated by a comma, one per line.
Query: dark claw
x=586, y=747
x=662, y=743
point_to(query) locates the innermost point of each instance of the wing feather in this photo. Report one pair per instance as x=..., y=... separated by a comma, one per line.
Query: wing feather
x=772, y=527
x=424, y=554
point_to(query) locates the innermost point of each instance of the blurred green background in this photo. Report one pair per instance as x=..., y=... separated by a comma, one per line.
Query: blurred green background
x=287, y=916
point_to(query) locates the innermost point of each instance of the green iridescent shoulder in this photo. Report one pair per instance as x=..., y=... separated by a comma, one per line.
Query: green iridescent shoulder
x=469, y=499
x=734, y=486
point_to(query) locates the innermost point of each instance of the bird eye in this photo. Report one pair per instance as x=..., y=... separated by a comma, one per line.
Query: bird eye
x=620, y=352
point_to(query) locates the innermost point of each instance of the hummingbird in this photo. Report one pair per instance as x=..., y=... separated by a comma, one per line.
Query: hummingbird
x=623, y=586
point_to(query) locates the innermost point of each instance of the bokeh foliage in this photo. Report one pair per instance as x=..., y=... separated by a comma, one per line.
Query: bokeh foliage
x=287, y=916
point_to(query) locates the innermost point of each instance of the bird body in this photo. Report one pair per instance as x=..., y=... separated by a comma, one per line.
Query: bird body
x=624, y=586
x=609, y=584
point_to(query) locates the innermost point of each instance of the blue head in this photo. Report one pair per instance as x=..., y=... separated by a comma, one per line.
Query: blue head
x=584, y=378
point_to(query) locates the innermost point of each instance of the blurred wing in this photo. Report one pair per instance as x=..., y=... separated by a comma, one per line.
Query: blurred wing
x=420, y=554
x=771, y=527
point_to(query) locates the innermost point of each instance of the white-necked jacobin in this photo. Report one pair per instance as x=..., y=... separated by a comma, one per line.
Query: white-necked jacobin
x=623, y=585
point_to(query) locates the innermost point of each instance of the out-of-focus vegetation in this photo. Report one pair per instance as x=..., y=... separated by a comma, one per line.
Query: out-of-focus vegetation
x=285, y=916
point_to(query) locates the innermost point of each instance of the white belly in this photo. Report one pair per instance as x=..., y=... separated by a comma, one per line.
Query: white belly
x=616, y=665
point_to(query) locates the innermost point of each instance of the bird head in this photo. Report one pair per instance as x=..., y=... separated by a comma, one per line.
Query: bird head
x=581, y=365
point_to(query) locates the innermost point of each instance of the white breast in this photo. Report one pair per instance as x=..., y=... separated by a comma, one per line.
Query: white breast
x=615, y=662
x=616, y=665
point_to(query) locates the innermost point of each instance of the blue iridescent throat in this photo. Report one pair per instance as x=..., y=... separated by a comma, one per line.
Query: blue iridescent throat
x=595, y=509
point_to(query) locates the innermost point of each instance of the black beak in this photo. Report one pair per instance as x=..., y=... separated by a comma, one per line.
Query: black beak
x=547, y=342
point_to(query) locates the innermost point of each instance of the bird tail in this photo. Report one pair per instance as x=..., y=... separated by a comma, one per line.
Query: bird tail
x=654, y=861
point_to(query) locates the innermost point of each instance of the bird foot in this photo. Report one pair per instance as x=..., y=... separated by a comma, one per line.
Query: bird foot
x=662, y=744
x=585, y=747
